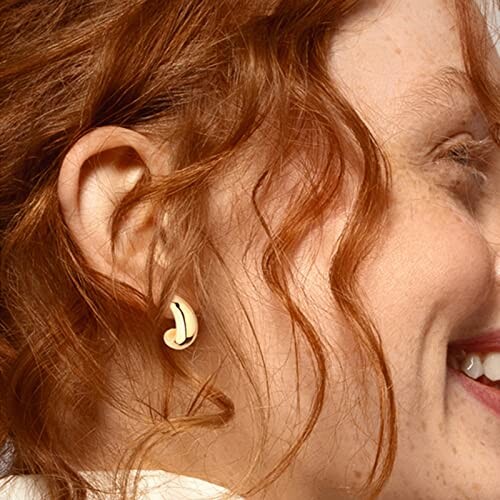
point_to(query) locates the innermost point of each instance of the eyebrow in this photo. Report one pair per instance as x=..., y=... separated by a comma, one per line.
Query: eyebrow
x=439, y=89
x=448, y=76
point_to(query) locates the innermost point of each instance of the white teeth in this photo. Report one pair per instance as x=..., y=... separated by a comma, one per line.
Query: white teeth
x=476, y=365
x=491, y=365
x=472, y=366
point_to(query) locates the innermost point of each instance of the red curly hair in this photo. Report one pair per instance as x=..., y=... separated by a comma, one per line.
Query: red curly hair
x=221, y=75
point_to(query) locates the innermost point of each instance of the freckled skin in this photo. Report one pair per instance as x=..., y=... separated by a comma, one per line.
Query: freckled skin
x=448, y=444
x=432, y=275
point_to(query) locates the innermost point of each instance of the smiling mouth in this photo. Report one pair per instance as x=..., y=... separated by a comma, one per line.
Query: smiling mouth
x=476, y=364
x=482, y=367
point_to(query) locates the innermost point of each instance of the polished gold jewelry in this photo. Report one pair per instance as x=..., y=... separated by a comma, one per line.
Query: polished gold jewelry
x=186, y=325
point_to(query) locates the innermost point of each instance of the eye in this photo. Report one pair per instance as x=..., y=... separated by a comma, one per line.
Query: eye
x=469, y=154
x=460, y=154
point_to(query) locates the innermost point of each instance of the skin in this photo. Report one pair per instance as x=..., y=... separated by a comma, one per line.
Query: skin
x=433, y=279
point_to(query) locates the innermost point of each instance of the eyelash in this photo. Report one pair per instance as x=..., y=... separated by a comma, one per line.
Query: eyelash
x=471, y=156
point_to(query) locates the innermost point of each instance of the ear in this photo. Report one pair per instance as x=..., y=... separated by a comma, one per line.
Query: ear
x=98, y=171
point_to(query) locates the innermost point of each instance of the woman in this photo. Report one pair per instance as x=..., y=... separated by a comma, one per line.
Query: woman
x=251, y=247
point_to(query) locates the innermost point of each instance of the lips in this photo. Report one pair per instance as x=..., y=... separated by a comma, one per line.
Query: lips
x=486, y=342
x=475, y=364
x=485, y=394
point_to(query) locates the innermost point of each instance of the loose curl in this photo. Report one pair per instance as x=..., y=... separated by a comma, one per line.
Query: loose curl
x=215, y=79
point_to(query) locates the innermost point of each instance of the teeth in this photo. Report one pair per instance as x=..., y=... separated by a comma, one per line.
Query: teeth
x=491, y=365
x=472, y=366
x=476, y=365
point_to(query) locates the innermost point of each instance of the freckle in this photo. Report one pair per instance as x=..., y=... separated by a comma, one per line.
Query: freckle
x=397, y=50
x=454, y=450
x=357, y=474
x=476, y=486
x=423, y=426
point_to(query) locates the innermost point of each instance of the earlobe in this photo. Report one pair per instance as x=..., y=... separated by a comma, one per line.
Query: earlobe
x=102, y=167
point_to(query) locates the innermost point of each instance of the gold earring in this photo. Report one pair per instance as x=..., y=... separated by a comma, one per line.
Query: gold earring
x=186, y=325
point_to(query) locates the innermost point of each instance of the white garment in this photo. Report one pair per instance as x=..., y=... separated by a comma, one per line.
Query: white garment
x=153, y=485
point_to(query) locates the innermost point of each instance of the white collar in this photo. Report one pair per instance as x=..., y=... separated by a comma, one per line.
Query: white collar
x=153, y=485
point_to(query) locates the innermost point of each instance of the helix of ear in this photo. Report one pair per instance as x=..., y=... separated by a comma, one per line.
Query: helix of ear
x=186, y=325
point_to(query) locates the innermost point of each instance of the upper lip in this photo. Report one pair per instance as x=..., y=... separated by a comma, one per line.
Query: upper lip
x=485, y=342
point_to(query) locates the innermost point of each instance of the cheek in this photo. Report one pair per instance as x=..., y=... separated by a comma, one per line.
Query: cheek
x=433, y=267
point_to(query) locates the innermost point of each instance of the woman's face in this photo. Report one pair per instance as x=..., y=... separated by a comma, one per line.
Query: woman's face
x=432, y=280
x=435, y=278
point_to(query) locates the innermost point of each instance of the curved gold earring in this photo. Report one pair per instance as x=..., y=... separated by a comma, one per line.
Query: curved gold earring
x=186, y=325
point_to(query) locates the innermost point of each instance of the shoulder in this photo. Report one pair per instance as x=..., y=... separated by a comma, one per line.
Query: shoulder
x=153, y=485
x=26, y=487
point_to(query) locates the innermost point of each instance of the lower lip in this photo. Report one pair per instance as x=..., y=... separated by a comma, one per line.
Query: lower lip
x=489, y=396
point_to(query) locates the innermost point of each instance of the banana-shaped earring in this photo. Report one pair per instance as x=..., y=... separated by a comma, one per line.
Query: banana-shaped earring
x=186, y=325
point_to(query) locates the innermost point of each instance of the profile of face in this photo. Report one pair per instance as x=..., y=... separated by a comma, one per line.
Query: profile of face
x=434, y=280
x=430, y=283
